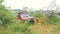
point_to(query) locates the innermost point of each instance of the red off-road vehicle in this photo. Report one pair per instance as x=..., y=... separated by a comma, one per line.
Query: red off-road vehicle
x=25, y=16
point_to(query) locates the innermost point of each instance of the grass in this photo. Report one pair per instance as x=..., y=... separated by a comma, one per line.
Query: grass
x=16, y=28
x=53, y=21
x=22, y=28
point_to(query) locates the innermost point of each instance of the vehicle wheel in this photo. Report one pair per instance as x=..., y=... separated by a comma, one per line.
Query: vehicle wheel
x=32, y=21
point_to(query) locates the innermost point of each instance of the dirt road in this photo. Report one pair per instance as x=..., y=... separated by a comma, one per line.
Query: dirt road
x=43, y=29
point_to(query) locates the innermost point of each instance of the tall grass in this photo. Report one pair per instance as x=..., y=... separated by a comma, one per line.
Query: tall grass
x=53, y=21
x=18, y=27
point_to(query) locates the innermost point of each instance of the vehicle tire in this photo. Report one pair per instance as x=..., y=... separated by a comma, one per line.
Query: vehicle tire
x=32, y=21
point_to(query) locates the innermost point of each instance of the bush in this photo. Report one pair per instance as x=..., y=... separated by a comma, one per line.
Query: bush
x=6, y=17
x=53, y=21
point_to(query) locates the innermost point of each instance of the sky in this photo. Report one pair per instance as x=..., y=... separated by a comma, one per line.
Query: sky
x=36, y=4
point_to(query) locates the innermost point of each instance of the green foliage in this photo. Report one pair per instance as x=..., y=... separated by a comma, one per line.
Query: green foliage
x=16, y=27
x=36, y=14
x=5, y=15
x=13, y=25
x=19, y=27
x=1, y=1
x=53, y=21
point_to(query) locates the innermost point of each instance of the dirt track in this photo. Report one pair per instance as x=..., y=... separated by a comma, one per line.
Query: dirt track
x=43, y=29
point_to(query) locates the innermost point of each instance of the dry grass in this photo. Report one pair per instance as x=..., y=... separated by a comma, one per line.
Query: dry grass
x=40, y=27
x=40, y=20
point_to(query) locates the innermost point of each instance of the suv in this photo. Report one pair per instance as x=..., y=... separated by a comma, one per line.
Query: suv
x=25, y=16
